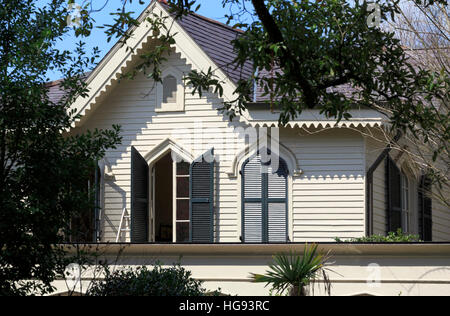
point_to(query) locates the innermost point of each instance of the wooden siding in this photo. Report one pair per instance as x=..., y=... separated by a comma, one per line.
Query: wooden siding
x=132, y=105
x=373, y=149
x=327, y=200
x=440, y=212
x=441, y=220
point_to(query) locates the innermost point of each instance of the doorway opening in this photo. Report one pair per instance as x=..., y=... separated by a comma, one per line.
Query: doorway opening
x=170, y=196
x=163, y=204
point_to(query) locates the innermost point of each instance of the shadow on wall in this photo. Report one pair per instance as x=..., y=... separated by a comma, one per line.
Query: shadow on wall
x=106, y=218
x=132, y=105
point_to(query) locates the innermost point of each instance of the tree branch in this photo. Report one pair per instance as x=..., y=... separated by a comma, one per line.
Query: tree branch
x=276, y=37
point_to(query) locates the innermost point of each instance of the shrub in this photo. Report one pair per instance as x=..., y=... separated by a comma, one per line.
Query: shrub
x=398, y=236
x=173, y=281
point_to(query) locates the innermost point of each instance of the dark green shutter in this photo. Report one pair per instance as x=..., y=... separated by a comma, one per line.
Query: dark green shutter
x=252, y=201
x=264, y=201
x=139, y=197
x=277, y=210
x=394, y=199
x=201, y=196
x=425, y=210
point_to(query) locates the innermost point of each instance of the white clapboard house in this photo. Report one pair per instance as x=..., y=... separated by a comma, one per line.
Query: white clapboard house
x=185, y=173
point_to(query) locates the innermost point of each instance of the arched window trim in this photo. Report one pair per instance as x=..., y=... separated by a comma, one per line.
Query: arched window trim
x=265, y=200
x=177, y=106
x=285, y=153
x=402, y=189
x=164, y=147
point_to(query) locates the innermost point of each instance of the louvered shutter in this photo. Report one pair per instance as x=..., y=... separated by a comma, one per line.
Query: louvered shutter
x=201, y=199
x=277, y=203
x=253, y=201
x=425, y=210
x=139, y=197
x=394, y=207
x=264, y=203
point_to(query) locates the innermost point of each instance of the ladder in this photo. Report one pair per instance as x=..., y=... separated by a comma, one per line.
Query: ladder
x=125, y=216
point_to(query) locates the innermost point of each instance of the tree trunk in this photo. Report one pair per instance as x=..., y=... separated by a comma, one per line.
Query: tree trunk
x=298, y=291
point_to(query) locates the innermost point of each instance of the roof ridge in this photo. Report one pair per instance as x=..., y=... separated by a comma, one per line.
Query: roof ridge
x=53, y=83
x=164, y=2
x=197, y=19
x=57, y=82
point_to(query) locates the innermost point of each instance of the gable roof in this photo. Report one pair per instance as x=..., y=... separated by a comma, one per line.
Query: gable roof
x=260, y=96
x=201, y=41
x=196, y=40
x=55, y=92
x=215, y=39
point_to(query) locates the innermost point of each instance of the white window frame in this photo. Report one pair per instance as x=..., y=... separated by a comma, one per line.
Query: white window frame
x=178, y=106
x=406, y=202
x=152, y=157
x=174, y=201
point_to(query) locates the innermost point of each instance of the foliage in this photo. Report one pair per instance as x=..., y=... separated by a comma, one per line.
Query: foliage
x=294, y=273
x=302, y=52
x=398, y=236
x=425, y=31
x=318, y=54
x=43, y=171
x=326, y=55
x=173, y=281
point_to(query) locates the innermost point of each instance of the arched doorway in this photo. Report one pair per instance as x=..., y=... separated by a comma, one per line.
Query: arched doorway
x=172, y=195
x=170, y=199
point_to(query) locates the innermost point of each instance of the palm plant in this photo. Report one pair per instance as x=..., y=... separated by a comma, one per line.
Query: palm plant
x=295, y=273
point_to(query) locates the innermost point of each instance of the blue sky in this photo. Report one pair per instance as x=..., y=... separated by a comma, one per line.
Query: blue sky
x=210, y=8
